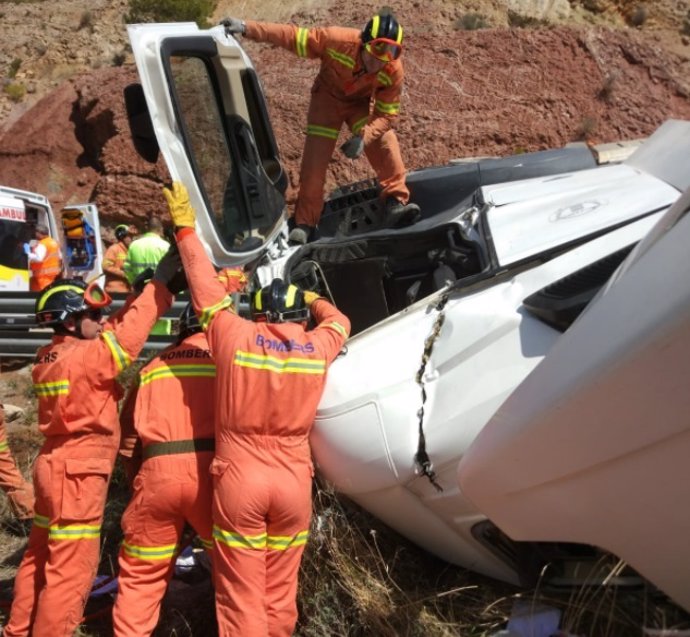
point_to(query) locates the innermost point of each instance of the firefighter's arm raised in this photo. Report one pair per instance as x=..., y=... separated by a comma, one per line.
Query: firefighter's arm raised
x=209, y=295
x=303, y=42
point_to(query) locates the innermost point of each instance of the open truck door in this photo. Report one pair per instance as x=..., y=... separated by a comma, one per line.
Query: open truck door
x=203, y=106
x=82, y=248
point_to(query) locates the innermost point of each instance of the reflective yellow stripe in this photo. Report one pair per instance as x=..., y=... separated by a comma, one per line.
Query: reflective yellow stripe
x=301, y=42
x=285, y=542
x=55, y=290
x=384, y=78
x=54, y=388
x=179, y=371
x=292, y=365
x=232, y=274
x=75, y=532
x=290, y=296
x=150, y=553
x=207, y=544
x=399, y=38
x=390, y=108
x=343, y=59
x=337, y=327
x=4, y=446
x=120, y=356
x=209, y=312
x=42, y=521
x=322, y=131
x=359, y=124
x=238, y=541
x=375, y=26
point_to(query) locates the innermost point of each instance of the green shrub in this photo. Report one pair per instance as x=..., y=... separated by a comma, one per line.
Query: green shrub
x=471, y=22
x=638, y=16
x=86, y=21
x=198, y=11
x=685, y=27
x=14, y=67
x=588, y=127
x=119, y=58
x=595, y=6
x=609, y=85
x=520, y=21
x=15, y=91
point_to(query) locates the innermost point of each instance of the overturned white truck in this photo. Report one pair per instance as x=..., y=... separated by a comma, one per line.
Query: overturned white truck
x=449, y=315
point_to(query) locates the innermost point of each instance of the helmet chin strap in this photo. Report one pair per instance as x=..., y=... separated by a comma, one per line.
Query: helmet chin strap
x=73, y=326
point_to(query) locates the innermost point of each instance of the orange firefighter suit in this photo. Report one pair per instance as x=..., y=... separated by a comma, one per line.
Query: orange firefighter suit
x=113, y=262
x=75, y=381
x=270, y=377
x=45, y=264
x=342, y=93
x=174, y=419
x=20, y=493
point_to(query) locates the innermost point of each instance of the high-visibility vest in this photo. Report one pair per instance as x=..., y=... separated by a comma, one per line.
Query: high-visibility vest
x=144, y=252
x=43, y=273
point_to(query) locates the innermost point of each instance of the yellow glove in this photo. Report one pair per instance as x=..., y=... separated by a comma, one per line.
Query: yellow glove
x=181, y=211
x=310, y=297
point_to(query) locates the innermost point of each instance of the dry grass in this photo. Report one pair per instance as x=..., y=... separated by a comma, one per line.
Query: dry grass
x=358, y=578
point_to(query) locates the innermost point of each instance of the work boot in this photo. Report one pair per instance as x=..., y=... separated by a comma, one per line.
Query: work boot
x=399, y=214
x=300, y=234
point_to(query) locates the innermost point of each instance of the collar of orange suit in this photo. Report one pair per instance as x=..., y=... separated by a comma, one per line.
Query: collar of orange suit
x=359, y=71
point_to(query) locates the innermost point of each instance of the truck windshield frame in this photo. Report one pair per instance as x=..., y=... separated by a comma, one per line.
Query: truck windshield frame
x=243, y=203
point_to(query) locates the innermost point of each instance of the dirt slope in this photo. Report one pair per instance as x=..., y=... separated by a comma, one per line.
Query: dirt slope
x=572, y=75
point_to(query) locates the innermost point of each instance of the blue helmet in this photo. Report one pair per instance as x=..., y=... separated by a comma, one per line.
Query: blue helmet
x=189, y=322
x=61, y=299
x=384, y=27
x=279, y=302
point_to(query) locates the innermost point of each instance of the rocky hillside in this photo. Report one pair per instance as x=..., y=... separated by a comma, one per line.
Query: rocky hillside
x=484, y=77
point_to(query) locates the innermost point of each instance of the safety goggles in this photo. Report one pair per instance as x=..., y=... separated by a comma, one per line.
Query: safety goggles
x=383, y=49
x=96, y=297
x=94, y=314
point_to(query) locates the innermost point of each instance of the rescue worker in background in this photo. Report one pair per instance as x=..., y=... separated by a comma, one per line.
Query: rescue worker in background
x=143, y=254
x=20, y=493
x=45, y=259
x=170, y=414
x=74, y=378
x=270, y=374
x=114, y=261
x=357, y=68
x=145, y=251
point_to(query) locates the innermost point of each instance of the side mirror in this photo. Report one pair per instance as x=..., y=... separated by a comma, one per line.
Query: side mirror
x=140, y=125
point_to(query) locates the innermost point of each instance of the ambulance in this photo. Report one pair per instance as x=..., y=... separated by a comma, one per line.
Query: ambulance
x=20, y=213
x=77, y=232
